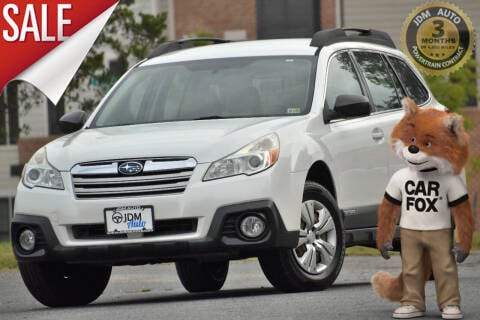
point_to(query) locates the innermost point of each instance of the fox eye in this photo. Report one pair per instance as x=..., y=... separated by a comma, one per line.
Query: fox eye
x=428, y=144
x=413, y=139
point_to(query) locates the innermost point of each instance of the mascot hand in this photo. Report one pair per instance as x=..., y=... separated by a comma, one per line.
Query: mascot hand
x=461, y=256
x=384, y=251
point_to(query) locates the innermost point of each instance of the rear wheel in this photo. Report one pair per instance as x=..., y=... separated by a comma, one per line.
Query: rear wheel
x=199, y=276
x=318, y=258
x=57, y=284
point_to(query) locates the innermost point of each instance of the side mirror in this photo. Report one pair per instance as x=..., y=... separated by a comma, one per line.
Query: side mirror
x=350, y=106
x=72, y=121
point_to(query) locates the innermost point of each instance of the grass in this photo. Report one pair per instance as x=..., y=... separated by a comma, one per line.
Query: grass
x=364, y=251
x=476, y=241
x=7, y=260
x=361, y=251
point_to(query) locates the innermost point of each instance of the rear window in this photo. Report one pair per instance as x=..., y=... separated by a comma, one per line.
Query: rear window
x=413, y=86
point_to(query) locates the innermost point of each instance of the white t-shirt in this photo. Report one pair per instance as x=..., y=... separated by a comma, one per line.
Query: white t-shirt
x=425, y=197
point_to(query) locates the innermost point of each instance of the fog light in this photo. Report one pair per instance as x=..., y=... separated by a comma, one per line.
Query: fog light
x=27, y=240
x=252, y=226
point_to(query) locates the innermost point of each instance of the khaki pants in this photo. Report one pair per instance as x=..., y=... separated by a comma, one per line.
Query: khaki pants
x=438, y=245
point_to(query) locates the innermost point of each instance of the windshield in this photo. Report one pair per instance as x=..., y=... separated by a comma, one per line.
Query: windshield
x=211, y=89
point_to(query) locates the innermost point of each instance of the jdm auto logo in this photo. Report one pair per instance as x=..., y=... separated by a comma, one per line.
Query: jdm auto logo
x=438, y=37
x=130, y=168
x=117, y=217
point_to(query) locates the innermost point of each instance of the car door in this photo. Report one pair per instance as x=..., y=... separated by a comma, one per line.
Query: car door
x=359, y=146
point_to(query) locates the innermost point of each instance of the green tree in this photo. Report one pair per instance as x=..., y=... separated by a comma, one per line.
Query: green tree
x=128, y=39
x=454, y=90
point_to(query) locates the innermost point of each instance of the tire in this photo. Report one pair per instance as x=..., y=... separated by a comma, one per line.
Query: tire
x=318, y=258
x=202, y=276
x=60, y=284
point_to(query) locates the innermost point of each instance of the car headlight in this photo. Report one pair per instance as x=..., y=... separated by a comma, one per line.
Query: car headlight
x=253, y=158
x=39, y=173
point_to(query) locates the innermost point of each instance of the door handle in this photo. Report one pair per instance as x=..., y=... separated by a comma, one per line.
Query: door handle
x=378, y=135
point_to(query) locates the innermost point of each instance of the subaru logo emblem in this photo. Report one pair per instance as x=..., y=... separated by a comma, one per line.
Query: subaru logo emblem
x=130, y=168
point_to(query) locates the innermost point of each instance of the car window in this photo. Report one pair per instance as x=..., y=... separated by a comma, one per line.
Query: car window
x=413, y=86
x=398, y=86
x=206, y=89
x=342, y=79
x=379, y=80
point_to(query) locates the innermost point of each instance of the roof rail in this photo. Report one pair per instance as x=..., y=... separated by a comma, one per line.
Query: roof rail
x=175, y=45
x=330, y=36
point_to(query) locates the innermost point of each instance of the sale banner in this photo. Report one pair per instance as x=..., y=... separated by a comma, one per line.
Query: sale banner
x=44, y=42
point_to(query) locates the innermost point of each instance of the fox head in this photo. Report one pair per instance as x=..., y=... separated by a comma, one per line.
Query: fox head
x=430, y=139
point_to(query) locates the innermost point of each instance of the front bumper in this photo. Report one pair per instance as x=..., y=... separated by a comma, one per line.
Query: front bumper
x=198, y=203
x=222, y=241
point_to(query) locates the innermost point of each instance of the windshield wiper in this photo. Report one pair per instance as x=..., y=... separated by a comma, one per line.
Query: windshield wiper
x=209, y=118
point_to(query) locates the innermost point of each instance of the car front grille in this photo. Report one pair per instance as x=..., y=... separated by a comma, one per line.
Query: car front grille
x=158, y=176
x=160, y=228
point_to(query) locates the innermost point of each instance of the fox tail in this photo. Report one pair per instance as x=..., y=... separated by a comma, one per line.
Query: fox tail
x=387, y=287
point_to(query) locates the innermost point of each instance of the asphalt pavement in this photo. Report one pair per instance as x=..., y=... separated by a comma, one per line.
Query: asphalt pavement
x=154, y=292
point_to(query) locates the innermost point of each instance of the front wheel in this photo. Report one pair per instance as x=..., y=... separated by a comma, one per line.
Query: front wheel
x=57, y=284
x=318, y=258
x=199, y=276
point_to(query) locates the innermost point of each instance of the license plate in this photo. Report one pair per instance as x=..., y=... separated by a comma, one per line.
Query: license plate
x=129, y=219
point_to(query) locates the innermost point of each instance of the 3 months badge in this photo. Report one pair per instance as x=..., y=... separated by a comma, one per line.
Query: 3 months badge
x=438, y=37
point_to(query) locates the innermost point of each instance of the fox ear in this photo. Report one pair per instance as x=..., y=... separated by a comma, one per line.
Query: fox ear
x=454, y=124
x=409, y=106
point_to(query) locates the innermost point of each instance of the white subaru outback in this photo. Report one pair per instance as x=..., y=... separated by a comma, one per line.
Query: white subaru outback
x=275, y=149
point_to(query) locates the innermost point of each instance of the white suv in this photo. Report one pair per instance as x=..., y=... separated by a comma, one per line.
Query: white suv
x=275, y=149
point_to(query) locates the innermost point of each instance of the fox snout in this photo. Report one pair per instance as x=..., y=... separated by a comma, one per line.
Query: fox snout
x=413, y=149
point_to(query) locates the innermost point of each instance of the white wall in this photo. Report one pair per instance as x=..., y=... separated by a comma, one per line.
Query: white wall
x=8, y=157
x=35, y=119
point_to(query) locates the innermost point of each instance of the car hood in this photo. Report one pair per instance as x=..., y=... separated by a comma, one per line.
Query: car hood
x=204, y=140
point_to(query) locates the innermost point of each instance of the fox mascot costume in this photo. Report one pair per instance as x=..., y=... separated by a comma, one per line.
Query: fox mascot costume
x=426, y=195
